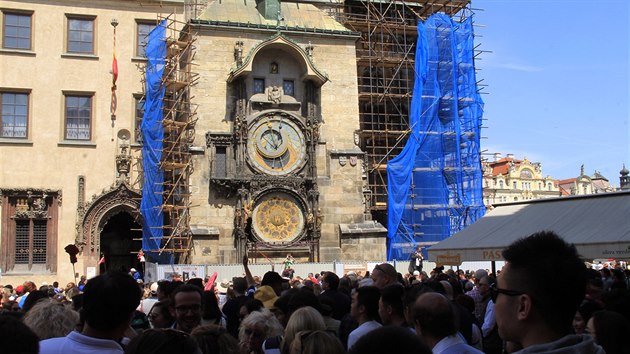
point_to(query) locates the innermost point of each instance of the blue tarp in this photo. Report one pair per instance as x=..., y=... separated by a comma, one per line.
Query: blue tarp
x=153, y=135
x=435, y=184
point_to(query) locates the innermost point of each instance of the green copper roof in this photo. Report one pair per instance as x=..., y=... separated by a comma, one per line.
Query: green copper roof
x=296, y=15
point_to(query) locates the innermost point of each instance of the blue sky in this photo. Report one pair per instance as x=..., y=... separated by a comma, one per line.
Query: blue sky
x=558, y=83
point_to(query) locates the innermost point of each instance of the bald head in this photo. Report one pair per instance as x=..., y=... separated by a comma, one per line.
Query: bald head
x=434, y=316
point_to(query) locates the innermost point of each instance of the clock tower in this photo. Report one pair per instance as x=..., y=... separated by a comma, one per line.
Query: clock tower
x=278, y=104
x=274, y=138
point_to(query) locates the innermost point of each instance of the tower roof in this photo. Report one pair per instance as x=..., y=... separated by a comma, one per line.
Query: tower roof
x=292, y=15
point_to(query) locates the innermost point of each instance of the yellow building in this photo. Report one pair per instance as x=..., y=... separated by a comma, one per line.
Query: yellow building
x=67, y=166
x=506, y=179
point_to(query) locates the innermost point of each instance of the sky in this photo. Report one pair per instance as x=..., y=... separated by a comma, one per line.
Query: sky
x=557, y=83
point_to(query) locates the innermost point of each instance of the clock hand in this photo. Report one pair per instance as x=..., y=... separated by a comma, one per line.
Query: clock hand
x=267, y=140
x=273, y=141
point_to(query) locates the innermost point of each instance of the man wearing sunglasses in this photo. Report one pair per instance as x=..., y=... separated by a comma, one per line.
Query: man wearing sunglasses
x=534, y=308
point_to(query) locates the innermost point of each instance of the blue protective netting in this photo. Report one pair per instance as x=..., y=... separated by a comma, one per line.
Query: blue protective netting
x=435, y=183
x=152, y=137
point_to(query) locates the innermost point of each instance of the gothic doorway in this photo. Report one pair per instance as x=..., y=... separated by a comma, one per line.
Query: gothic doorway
x=118, y=245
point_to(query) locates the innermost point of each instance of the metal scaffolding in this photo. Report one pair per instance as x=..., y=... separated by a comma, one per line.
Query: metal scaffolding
x=385, y=68
x=178, y=124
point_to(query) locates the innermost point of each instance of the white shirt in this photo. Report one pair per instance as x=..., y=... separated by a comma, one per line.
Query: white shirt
x=361, y=331
x=76, y=342
x=454, y=344
x=489, y=320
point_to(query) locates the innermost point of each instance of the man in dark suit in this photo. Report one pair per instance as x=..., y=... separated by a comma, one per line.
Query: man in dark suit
x=341, y=301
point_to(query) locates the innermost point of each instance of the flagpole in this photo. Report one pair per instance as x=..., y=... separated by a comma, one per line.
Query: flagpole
x=114, y=23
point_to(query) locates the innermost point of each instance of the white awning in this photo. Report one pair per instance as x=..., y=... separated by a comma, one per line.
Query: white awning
x=598, y=225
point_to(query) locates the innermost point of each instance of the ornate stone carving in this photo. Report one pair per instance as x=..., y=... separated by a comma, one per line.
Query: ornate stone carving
x=222, y=139
x=81, y=192
x=309, y=51
x=93, y=217
x=225, y=186
x=32, y=206
x=32, y=194
x=123, y=165
x=238, y=53
x=274, y=94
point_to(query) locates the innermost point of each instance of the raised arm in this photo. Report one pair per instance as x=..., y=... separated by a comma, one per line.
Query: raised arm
x=248, y=273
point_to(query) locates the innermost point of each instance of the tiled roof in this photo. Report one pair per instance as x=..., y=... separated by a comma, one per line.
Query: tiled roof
x=564, y=185
x=296, y=15
x=502, y=167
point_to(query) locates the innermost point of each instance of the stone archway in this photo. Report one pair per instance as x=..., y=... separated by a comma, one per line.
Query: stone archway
x=112, y=204
x=120, y=237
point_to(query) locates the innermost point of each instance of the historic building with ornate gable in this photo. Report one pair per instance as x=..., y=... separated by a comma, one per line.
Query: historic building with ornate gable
x=278, y=121
x=507, y=179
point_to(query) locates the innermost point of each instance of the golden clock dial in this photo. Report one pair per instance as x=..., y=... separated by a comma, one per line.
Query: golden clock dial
x=276, y=145
x=277, y=217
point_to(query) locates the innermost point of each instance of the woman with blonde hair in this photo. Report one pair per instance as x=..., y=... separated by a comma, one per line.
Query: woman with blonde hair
x=256, y=328
x=316, y=342
x=51, y=319
x=303, y=319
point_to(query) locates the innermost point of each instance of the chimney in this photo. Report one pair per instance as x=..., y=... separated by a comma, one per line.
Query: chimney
x=510, y=156
x=497, y=156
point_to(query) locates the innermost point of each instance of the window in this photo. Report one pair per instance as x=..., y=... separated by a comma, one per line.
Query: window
x=514, y=184
x=30, y=241
x=28, y=231
x=16, y=33
x=549, y=186
x=139, y=114
x=220, y=166
x=526, y=174
x=142, y=31
x=14, y=114
x=500, y=184
x=80, y=35
x=259, y=86
x=287, y=87
x=78, y=117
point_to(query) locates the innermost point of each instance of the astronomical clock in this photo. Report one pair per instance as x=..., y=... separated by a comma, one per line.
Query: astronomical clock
x=276, y=145
x=267, y=164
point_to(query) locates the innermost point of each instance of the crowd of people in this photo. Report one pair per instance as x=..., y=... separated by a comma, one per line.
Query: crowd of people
x=544, y=300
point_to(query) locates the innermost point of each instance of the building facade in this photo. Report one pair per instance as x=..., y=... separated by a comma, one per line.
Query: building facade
x=67, y=144
x=273, y=165
x=268, y=109
x=507, y=179
x=584, y=184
